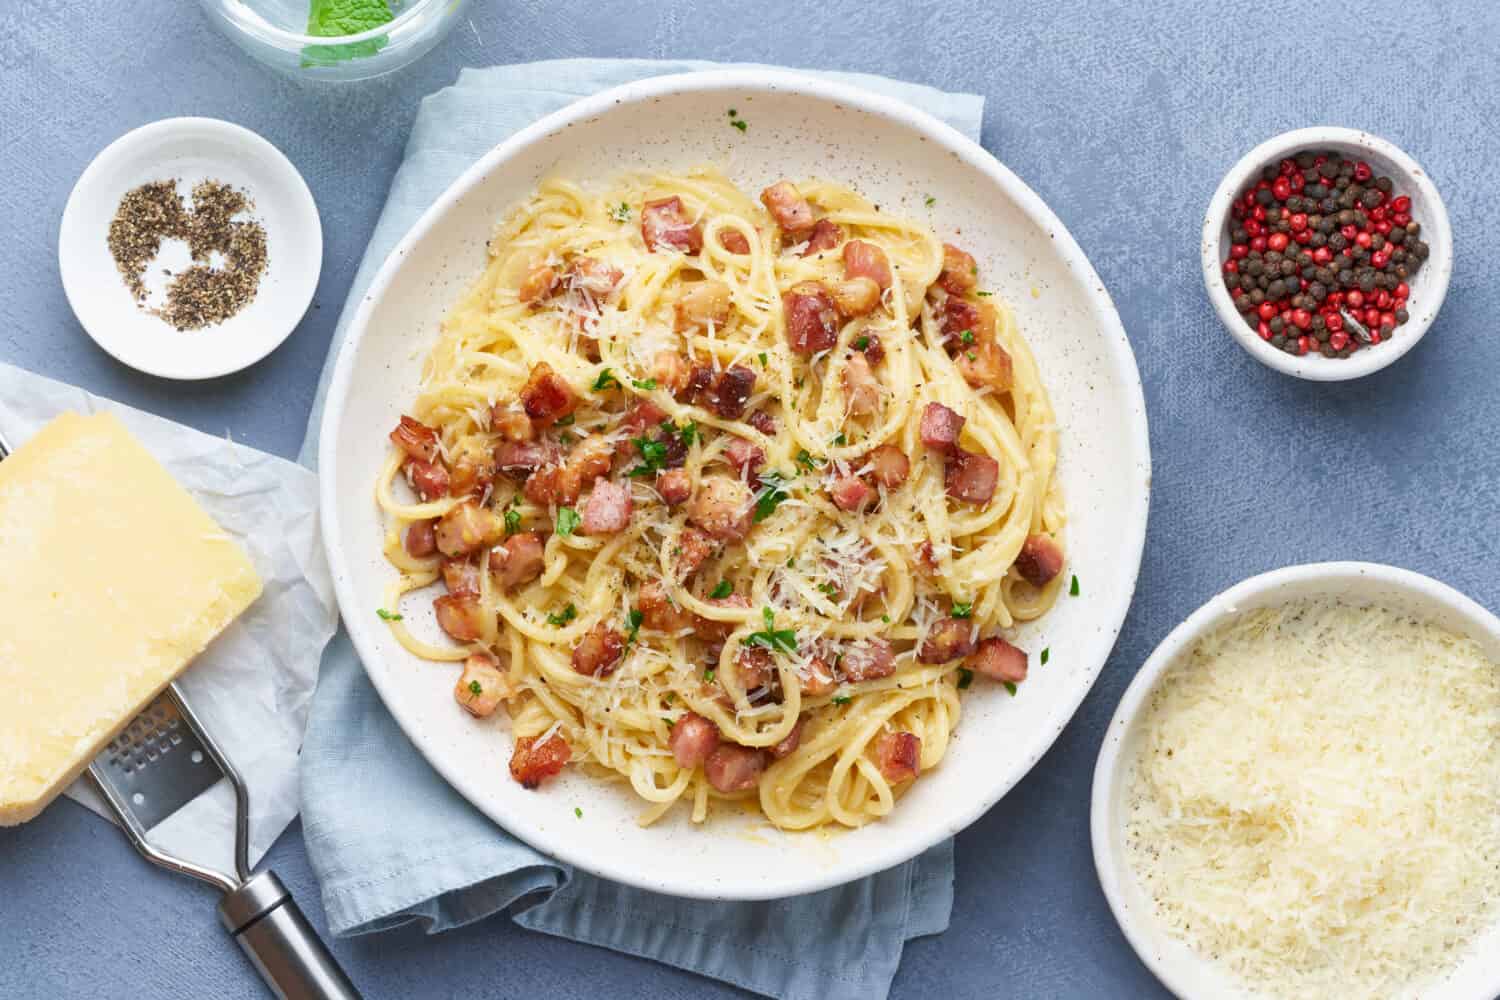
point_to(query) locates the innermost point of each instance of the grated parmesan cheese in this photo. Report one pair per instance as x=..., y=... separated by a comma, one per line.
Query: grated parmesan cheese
x=1316, y=800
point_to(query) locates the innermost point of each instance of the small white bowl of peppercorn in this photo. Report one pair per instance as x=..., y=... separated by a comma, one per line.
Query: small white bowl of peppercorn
x=1327, y=253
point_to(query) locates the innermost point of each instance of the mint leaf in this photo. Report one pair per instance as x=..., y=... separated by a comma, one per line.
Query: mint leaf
x=335, y=18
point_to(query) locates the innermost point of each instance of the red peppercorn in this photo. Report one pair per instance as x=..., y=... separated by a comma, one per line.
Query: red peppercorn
x=1239, y=252
x=1231, y=266
x=1334, y=321
x=1263, y=330
x=1301, y=319
x=1356, y=298
x=1302, y=344
x=1259, y=213
x=1372, y=317
x=1401, y=218
x=1383, y=300
x=1374, y=336
x=1282, y=189
x=1277, y=241
x=1322, y=255
x=1339, y=340
x=1377, y=213
x=1298, y=221
x=1383, y=228
x=1258, y=243
x=1401, y=204
x=1267, y=310
x=1298, y=182
x=1334, y=300
x=1403, y=290
x=1387, y=322
x=1253, y=227
x=1362, y=171
x=1379, y=259
x=1363, y=239
x=1348, y=232
x=1303, y=237
x=1287, y=167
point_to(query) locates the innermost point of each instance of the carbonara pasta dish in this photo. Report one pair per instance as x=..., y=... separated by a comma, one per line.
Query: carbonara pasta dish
x=728, y=498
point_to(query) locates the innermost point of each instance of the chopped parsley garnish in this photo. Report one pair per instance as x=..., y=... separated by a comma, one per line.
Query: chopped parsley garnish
x=842, y=699
x=512, y=521
x=807, y=461
x=387, y=616
x=565, y=438
x=963, y=609
x=1046, y=653
x=778, y=640
x=671, y=697
x=1073, y=590
x=568, y=614
x=653, y=457
x=929, y=201
x=740, y=124
x=733, y=113
x=763, y=361
x=971, y=355
x=578, y=811
x=967, y=336
x=828, y=589
x=474, y=688
x=565, y=421
x=791, y=561
x=644, y=384
x=686, y=433
x=708, y=675
x=770, y=496
x=567, y=521
x=984, y=295
x=634, y=620
x=1011, y=688
x=724, y=589
x=965, y=678
x=605, y=381
x=620, y=213
x=839, y=439
x=862, y=343
x=886, y=619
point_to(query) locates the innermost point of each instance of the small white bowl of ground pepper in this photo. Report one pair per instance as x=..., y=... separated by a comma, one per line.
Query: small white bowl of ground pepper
x=190, y=248
x=1327, y=253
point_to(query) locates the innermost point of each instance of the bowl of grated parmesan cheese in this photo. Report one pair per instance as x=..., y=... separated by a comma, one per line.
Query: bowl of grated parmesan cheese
x=1299, y=794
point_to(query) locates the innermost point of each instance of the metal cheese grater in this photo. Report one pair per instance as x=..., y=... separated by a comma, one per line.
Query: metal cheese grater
x=159, y=763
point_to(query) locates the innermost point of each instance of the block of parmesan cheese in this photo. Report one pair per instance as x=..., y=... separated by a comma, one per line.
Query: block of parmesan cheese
x=112, y=579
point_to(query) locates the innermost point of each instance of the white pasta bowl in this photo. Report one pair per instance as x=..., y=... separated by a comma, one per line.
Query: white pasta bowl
x=906, y=162
x=1182, y=970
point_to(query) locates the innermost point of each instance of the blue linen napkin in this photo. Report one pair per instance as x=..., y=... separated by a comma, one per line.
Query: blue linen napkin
x=445, y=864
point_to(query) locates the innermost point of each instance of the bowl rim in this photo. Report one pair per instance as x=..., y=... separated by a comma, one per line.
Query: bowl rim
x=1109, y=866
x=945, y=138
x=1315, y=367
x=257, y=27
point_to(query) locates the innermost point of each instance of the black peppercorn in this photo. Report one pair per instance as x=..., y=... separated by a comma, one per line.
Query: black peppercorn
x=1413, y=228
x=1397, y=236
x=1276, y=289
x=1402, y=315
x=1279, y=340
x=1384, y=184
x=1277, y=324
x=1264, y=196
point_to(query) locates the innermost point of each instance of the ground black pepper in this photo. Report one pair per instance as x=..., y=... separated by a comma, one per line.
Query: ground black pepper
x=202, y=294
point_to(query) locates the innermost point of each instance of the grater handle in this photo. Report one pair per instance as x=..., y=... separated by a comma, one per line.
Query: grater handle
x=270, y=928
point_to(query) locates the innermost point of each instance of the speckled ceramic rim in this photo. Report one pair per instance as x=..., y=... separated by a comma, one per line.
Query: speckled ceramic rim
x=1374, y=582
x=892, y=851
x=1428, y=286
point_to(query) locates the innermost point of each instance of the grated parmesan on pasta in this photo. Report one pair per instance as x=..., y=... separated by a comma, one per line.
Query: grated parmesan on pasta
x=1316, y=799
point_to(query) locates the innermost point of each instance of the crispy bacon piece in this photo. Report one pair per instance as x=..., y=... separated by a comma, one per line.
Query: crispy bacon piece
x=460, y=616
x=664, y=224
x=873, y=350
x=998, y=660
x=722, y=508
x=971, y=477
x=548, y=486
x=940, y=428
x=868, y=660
x=421, y=541
x=429, y=479
x=961, y=323
x=473, y=468
x=596, y=277
x=482, y=685
x=590, y=460
x=733, y=768
x=510, y=423
x=519, y=459
x=763, y=422
x=927, y=561
x=787, y=206
x=540, y=282
x=745, y=455
x=532, y=763
x=730, y=391
x=949, y=639
x=671, y=371
x=674, y=486
x=811, y=318
x=658, y=611
x=419, y=441
x=713, y=630
x=790, y=742
x=700, y=381
x=704, y=304
x=1039, y=560
x=889, y=465
x=861, y=387
x=643, y=416
x=817, y=678
x=755, y=668
x=547, y=397
x=519, y=559
x=825, y=236
x=607, y=510
x=855, y=296
x=899, y=756
x=734, y=241
x=598, y=652
x=866, y=260
x=693, y=739
x=960, y=275
x=850, y=493
x=986, y=363
x=460, y=576
x=692, y=551
x=468, y=527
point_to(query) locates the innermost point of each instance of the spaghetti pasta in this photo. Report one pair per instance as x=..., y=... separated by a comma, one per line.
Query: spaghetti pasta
x=734, y=496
